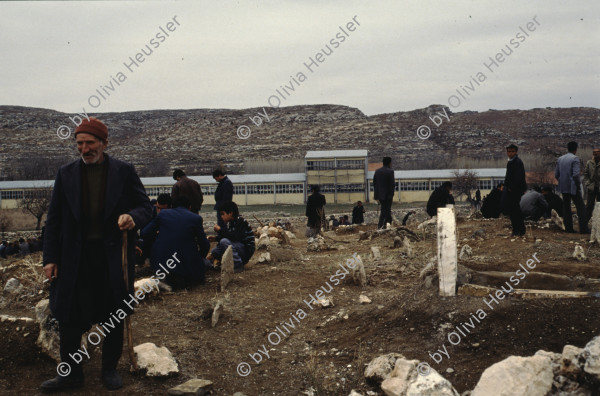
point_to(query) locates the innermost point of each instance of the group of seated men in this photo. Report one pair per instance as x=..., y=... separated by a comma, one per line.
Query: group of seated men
x=175, y=228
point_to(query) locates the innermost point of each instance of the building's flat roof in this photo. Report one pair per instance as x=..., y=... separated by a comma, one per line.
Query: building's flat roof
x=336, y=154
x=442, y=173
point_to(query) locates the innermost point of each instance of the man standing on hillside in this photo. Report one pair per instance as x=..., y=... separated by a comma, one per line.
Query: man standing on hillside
x=223, y=193
x=94, y=199
x=383, y=189
x=514, y=188
x=567, y=172
x=186, y=187
x=591, y=177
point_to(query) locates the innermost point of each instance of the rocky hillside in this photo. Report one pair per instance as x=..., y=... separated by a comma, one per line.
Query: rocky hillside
x=201, y=138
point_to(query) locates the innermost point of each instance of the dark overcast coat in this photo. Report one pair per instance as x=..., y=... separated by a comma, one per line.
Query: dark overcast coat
x=63, y=239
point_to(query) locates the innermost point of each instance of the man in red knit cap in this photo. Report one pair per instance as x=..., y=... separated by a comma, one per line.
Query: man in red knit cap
x=94, y=199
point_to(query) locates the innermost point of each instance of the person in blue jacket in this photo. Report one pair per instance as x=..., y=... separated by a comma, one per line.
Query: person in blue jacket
x=181, y=242
x=237, y=233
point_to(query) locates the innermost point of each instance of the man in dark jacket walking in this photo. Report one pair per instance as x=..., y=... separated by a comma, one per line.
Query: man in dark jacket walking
x=383, y=189
x=94, y=199
x=188, y=188
x=440, y=197
x=179, y=231
x=514, y=188
x=223, y=193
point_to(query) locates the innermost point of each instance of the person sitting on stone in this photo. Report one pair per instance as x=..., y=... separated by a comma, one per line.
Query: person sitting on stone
x=440, y=197
x=237, y=233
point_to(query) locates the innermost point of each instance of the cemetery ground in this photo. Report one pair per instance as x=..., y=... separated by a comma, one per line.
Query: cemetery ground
x=328, y=349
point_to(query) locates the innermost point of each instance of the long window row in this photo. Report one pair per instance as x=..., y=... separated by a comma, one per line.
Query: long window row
x=335, y=164
x=12, y=194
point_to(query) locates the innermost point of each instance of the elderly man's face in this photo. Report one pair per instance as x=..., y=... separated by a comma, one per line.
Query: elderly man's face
x=90, y=147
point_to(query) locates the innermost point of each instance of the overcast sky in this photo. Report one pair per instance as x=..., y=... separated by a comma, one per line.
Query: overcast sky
x=402, y=55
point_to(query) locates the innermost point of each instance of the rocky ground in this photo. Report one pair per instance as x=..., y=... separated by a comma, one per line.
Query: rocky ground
x=326, y=350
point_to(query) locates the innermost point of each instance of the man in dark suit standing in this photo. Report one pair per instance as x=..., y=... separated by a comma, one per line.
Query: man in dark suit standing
x=188, y=188
x=180, y=232
x=514, y=188
x=383, y=188
x=223, y=193
x=94, y=199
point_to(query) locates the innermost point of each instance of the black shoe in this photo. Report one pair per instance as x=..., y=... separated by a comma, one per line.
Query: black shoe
x=60, y=383
x=111, y=380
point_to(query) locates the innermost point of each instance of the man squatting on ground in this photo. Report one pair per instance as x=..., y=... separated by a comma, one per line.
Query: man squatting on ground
x=179, y=230
x=383, y=190
x=440, y=197
x=94, y=199
x=237, y=233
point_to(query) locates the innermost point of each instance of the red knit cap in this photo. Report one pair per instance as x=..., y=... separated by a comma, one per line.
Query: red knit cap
x=93, y=126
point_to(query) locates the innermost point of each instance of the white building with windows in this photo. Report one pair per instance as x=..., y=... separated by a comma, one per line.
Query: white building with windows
x=342, y=175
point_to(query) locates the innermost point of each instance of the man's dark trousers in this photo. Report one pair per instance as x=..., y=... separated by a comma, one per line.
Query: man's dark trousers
x=92, y=303
x=385, y=216
x=568, y=217
x=593, y=197
x=70, y=342
x=516, y=216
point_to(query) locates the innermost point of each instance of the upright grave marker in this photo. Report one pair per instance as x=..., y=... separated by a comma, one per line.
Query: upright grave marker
x=447, y=252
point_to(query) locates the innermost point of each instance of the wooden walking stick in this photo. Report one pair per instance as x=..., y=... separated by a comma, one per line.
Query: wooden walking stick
x=128, y=331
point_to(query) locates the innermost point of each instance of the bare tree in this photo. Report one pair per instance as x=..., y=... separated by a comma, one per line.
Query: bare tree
x=464, y=182
x=5, y=222
x=38, y=168
x=36, y=202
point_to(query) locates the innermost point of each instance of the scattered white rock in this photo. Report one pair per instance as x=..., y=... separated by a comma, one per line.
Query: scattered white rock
x=263, y=241
x=290, y=234
x=49, y=338
x=517, y=375
x=358, y=272
x=381, y=367
x=591, y=354
x=375, y=253
x=408, y=247
x=364, y=299
x=193, y=387
x=13, y=287
x=325, y=302
x=579, y=254
x=264, y=257
x=217, y=311
x=227, y=267
x=465, y=252
x=147, y=285
x=157, y=361
x=556, y=219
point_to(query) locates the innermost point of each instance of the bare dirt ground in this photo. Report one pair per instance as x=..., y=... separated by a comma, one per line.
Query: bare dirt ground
x=328, y=349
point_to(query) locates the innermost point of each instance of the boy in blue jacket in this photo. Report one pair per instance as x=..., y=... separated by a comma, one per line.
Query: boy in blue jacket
x=237, y=233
